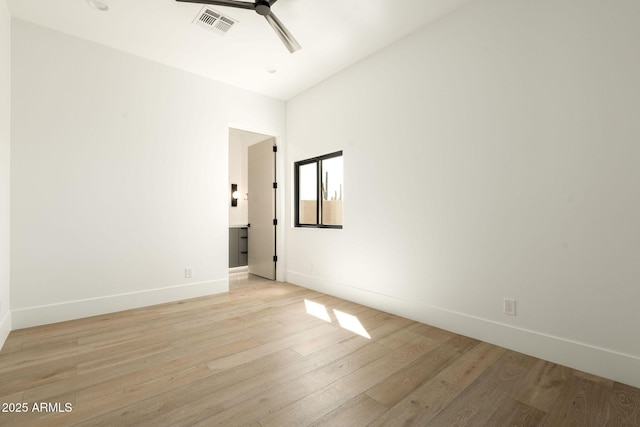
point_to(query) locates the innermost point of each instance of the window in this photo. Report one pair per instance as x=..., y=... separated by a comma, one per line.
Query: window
x=318, y=191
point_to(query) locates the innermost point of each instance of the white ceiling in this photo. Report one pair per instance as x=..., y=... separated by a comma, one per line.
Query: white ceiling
x=333, y=33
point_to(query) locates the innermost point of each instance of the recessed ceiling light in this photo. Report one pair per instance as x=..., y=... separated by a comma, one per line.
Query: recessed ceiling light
x=99, y=5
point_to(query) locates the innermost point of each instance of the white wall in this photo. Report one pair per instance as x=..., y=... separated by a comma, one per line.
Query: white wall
x=119, y=177
x=494, y=154
x=5, y=136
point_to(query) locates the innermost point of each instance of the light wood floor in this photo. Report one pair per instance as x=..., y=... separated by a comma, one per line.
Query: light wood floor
x=255, y=357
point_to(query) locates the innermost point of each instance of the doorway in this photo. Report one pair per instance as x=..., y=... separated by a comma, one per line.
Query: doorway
x=253, y=205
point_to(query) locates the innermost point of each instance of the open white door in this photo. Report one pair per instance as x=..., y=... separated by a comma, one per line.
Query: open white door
x=262, y=214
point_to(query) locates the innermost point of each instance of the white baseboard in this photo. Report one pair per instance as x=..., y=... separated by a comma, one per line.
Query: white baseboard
x=69, y=310
x=624, y=368
x=5, y=328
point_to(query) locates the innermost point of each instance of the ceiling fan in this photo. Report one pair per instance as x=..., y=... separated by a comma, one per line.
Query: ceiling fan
x=261, y=7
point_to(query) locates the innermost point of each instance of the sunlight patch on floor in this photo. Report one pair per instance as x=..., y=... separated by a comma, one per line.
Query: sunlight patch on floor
x=317, y=310
x=346, y=321
x=351, y=323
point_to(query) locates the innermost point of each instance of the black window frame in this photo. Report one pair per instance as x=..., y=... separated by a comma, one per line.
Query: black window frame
x=318, y=161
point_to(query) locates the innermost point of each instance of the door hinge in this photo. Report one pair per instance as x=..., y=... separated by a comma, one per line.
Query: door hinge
x=275, y=258
x=275, y=148
x=275, y=221
x=275, y=185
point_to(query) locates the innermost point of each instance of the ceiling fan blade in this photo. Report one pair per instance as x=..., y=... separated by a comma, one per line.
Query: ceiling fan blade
x=289, y=41
x=229, y=3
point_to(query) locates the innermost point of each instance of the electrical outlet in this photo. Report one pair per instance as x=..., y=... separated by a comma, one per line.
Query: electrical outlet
x=188, y=272
x=510, y=306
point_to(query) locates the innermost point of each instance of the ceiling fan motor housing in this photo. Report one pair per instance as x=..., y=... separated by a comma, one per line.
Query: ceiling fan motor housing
x=263, y=8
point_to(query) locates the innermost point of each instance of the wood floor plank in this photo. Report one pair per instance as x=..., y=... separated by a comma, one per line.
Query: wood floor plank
x=31, y=377
x=241, y=390
x=202, y=398
x=361, y=410
x=257, y=352
x=594, y=378
x=397, y=386
x=513, y=413
x=136, y=371
x=89, y=409
x=110, y=361
x=624, y=406
x=319, y=403
x=472, y=364
x=421, y=406
x=177, y=366
x=479, y=400
x=250, y=410
x=255, y=357
x=315, y=344
x=263, y=388
x=581, y=403
x=316, y=372
x=542, y=385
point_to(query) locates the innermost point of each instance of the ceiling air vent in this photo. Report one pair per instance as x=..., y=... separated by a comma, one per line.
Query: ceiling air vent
x=214, y=21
